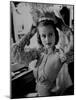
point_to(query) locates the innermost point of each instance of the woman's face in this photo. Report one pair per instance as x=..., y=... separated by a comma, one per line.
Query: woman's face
x=47, y=34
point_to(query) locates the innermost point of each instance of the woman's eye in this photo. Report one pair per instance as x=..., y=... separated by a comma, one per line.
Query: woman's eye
x=50, y=34
x=44, y=36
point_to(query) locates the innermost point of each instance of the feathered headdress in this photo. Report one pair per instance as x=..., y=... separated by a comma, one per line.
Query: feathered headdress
x=43, y=12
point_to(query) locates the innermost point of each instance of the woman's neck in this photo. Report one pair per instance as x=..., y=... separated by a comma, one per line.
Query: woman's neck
x=50, y=49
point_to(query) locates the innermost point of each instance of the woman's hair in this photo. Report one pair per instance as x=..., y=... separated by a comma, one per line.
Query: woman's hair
x=46, y=23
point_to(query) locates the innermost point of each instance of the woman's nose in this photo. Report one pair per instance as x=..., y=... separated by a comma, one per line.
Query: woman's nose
x=47, y=39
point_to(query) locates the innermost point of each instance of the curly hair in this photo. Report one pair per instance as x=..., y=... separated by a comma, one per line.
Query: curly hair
x=46, y=23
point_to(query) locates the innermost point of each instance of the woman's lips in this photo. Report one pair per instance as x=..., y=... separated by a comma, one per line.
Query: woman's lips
x=48, y=43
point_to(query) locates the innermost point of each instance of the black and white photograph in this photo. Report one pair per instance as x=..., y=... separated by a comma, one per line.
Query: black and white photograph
x=41, y=49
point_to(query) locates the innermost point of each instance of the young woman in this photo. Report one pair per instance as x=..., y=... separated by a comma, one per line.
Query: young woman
x=51, y=69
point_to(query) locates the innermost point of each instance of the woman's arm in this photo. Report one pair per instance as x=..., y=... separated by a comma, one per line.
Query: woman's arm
x=24, y=56
x=67, y=52
x=26, y=39
x=20, y=55
x=66, y=49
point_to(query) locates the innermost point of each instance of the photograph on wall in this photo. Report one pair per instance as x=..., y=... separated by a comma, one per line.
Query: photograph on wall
x=41, y=49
